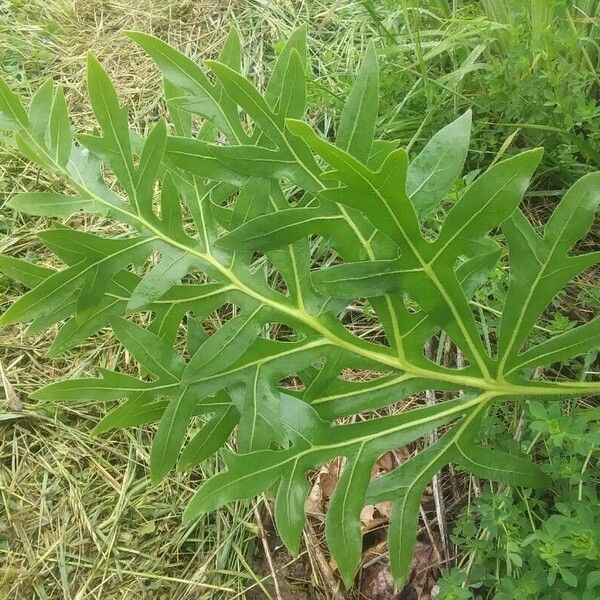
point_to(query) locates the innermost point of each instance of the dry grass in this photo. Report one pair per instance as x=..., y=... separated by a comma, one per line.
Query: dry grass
x=61, y=32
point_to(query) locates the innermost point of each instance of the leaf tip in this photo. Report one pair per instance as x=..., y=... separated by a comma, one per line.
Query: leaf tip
x=302, y=30
x=132, y=34
x=97, y=430
x=191, y=514
x=13, y=203
x=466, y=121
x=157, y=473
x=215, y=66
x=371, y=53
x=141, y=38
x=92, y=62
x=347, y=578
x=234, y=35
x=293, y=546
x=37, y=394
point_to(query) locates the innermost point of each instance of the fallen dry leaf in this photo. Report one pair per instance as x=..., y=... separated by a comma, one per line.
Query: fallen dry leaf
x=12, y=398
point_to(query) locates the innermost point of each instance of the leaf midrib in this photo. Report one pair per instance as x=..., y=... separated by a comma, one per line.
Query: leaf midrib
x=426, y=265
x=506, y=355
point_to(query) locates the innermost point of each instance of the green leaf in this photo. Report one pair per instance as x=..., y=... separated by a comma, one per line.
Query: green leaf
x=149, y=168
x=50, y=204
x=225, y=346
x=231, y=52
x=239, y=89
x=260, y=410
x=150, y=351
x=78, y=328
x=182, y=72
x=310, y=226
x=95, y=261
x=209, y=438
x=502, y=188
x=492, y=464
x=406, y=489
x=139, y=409
x=359, y=115
x=381, y=198
x=12, y=113
x=243, y=480
x=342, y=398
x=436, y=168
x=544, y=266
x=169, y=438
x=170, y=209
x=344, y=535
x=499, y=466
x=231, y=164
x=23, y=271
x=292, y=100
x=50, y=293
x=60, y=138
x=143, y=408
x=182, y=119
x=39, y=110
x=115, y=143
x=271, y=231
x=378, y=277
x=112, y=386
x=174, y=265
x=567, y=345
x=296, y=44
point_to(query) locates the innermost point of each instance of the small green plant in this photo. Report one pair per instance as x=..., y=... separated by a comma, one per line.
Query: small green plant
x=237, y=178
x=532, y=544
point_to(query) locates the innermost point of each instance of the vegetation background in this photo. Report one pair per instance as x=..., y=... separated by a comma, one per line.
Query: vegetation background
x=78, y=516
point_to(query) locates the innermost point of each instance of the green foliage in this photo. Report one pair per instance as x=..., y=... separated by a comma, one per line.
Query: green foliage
x=529, y=69
x=533, y=545
x=253, y=180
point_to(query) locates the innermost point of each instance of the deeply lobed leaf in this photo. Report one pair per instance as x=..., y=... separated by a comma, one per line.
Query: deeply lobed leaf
x=229, y=213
